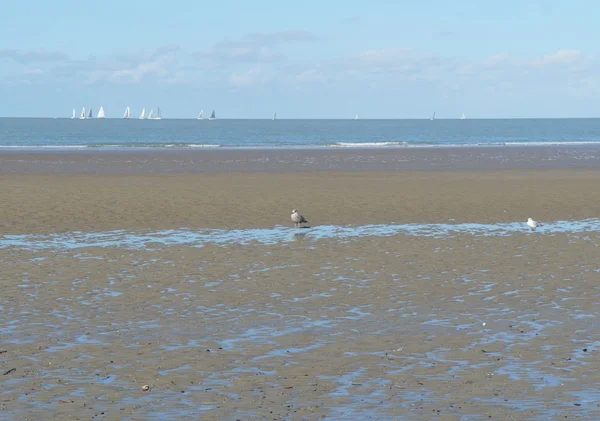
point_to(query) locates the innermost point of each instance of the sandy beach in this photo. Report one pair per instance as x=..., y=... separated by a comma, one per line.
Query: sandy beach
x=34, y=203
x=457, y=326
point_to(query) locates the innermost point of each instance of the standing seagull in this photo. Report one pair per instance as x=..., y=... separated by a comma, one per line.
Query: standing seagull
x=532, y=224
x=297, y=219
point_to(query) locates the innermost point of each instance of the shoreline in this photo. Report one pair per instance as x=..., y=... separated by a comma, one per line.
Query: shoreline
x=219, y=160
x=359, y=146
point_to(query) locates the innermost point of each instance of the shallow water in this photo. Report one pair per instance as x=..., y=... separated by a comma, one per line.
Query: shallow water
x=346, y=323
x=144, y=239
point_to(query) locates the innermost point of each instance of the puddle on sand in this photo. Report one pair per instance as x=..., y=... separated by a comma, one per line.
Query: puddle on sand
x=149, y=240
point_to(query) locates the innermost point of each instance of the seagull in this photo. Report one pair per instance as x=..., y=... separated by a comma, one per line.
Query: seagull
x=532, y=224
x=297, y=219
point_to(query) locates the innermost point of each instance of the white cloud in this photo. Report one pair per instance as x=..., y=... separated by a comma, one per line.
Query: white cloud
x=160, y=62
x=269, y=38
x=398, y=63
x=257, y=47
x=229, y=53
x=33, y=71
x=564, y=72
x=261, y=58
x=560, y=57
x=248, y=77
x=497, y=59
x=32, y=56
x=313, y=75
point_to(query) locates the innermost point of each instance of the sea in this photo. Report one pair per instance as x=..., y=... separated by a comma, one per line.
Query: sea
x=60, y=133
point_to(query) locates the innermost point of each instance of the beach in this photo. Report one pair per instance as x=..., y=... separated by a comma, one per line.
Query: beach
x=227, y=312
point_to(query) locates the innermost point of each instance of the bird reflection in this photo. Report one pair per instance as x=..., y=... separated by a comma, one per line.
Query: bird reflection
x=298, y=236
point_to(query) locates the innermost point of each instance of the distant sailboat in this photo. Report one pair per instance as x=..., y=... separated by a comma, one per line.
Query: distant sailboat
x=82, y=115
x=433, y=117
x=462, y=117
x=274, y=116
x=101, y=113
x=90, y=114
x=212, y=115
x=73, y=115
x=143, y=114
x=151, y=116
x=127, y=113
x=356, y=117
x=201, y=115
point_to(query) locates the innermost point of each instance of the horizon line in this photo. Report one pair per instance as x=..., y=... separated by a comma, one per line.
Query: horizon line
x=307, y=118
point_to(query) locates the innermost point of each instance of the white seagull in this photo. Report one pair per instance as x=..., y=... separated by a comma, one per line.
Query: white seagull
x=297, y=219
x=532, y=224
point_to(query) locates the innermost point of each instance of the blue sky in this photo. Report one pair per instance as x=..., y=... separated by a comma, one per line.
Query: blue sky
x=308, y=59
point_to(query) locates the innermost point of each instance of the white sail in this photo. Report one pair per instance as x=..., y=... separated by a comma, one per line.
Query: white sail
x=143, y=114
x=274, y=116
x=73, y=115
x=82, y=115
x=463, y=117
x=151, y=116
x=101, y=113
x=201, y=115
x=212, y=115
x=433, y=117
x=356, y=117
x=127, y=113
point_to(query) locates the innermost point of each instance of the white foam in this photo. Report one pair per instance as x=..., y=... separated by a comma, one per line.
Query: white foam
x=43, y=146
x=194, y=145
x=367, y=144
x=553, y=143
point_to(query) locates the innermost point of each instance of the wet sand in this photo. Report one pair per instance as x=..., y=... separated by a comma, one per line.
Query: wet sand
x=389, y=328
x=381, y=326
x=67, y=202
x=223, y=160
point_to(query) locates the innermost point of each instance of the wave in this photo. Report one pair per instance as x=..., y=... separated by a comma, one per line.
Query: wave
x=190, y=145
x=334, y=145
x=554, y=143
x=367, y=144
x=113, y=146
x=44, y=146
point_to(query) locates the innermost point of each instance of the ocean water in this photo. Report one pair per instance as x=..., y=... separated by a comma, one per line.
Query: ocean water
x=32, y=133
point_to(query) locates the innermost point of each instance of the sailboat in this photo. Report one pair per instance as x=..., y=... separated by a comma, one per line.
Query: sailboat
x=433, y=117
x=274, y=116
x=127, y=113
x=73, y=115
x=356, y=117
x=90, y=114
x=462, y=117
x=82, y=115
x=143, y=114
x=101, y=113
x=212, y=115
x=151, y=115
x=201, y=115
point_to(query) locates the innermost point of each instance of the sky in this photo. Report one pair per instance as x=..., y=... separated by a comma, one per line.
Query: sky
x=307, y=59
